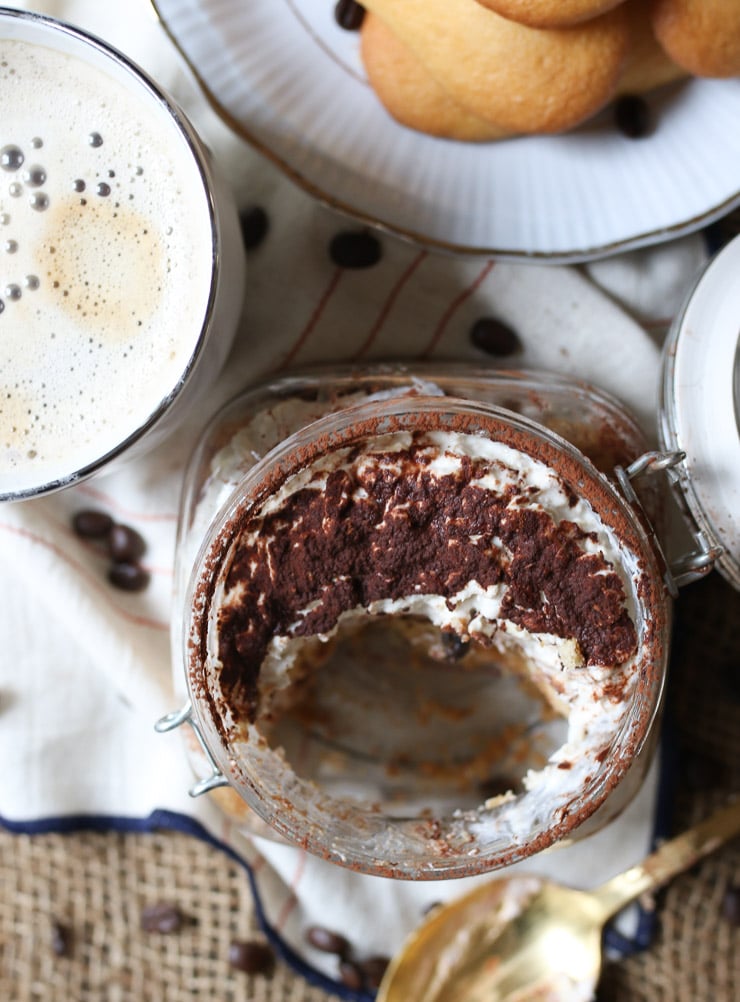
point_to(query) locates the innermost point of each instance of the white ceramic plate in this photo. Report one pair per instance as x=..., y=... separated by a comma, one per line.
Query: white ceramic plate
x=285, y=76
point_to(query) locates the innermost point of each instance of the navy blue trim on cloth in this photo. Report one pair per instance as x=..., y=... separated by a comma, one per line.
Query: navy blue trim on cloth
x=173, y=821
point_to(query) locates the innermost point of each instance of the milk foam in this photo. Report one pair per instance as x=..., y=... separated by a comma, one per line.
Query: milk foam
x=105, y=261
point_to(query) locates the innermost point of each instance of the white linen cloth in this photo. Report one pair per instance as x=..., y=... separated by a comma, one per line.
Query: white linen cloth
x=86, y=669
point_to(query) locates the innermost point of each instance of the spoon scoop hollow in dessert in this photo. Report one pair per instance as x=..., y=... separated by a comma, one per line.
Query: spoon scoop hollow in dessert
x=524, y=938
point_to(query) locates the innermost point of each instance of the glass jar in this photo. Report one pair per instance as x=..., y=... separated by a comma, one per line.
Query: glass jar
x=424, y=633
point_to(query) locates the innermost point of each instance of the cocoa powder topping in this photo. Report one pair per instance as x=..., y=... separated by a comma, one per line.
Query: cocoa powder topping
x=392, y=528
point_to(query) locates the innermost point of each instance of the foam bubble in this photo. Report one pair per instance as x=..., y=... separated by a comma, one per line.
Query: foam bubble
x=39, y=201
x=34, y=176
x=11, y=158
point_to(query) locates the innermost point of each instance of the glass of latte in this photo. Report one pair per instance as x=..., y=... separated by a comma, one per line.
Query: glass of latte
x=121, y=262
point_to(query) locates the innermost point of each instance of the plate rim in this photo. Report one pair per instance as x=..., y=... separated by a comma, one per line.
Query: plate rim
x=580, y=255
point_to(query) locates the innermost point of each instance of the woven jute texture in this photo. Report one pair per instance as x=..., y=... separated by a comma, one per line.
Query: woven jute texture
x=96, y=884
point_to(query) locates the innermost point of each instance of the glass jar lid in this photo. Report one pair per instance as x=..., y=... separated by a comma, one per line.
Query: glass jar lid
x=700, y=407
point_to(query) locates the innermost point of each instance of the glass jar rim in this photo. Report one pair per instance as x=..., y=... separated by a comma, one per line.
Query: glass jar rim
x=339, y=429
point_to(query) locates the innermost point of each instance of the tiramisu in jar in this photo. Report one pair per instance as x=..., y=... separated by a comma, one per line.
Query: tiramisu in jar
x=424, y=633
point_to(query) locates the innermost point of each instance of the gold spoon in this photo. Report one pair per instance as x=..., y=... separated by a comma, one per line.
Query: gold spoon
x=473, y=950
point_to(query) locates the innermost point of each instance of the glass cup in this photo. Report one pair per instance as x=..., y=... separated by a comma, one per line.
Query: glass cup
x=417, y=729
x=121, y=260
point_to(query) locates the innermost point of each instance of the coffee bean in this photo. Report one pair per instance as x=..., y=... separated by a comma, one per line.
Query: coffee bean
x=351, y=976
x=632, y=116
x=349, y=15
x=163, y=916
x=251, y=956
x=254, y=225
x=91, y=524
x=731, y=905
x=327, y=941
x=61, y=939
x=354, y=249
x=128, y=576
x=373, y=969
x=495, y=337
x=455, y=647
x=125, y=545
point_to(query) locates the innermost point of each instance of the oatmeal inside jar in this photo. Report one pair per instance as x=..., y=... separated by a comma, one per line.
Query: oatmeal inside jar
x=432, y=625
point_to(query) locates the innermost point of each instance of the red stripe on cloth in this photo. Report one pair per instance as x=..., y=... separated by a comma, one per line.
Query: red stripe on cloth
x=158, y=570
x=98, y=551
x=313, y=319
x=292, y=900
x=453, y=307
x=100, y=586
x=388, y=304
x=114, y=505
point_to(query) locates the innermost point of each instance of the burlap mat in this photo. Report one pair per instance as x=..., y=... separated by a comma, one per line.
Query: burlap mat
x=96, y=884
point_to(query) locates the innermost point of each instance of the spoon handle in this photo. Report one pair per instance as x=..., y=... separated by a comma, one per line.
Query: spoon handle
x=671, y=858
